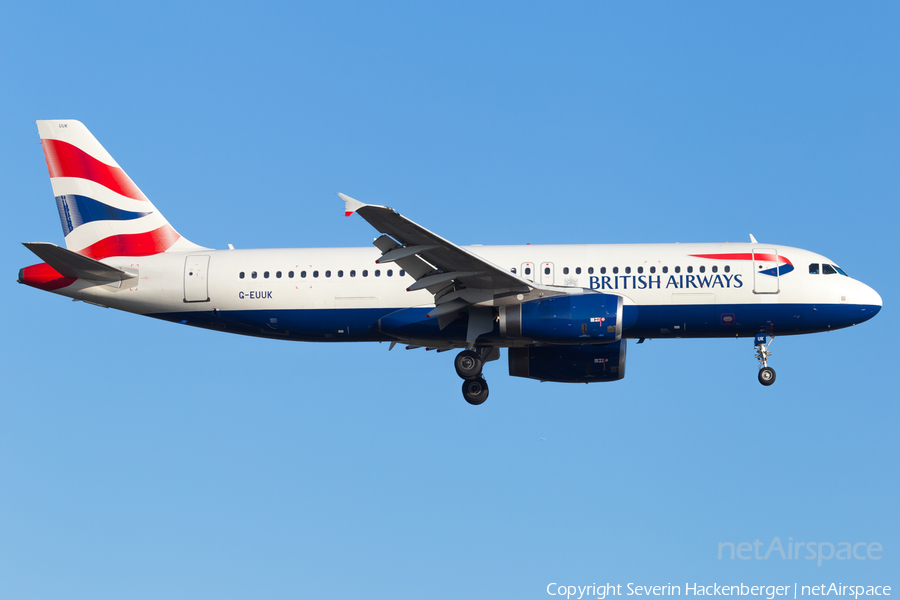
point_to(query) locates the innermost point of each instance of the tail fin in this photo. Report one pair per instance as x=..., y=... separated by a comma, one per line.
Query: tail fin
x=103, y=213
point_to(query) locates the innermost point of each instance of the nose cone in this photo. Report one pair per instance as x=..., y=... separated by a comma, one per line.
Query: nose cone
x=870, y=300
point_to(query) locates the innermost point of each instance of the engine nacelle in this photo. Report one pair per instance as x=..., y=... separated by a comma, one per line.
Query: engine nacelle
x=569, y=364
x=578, y=319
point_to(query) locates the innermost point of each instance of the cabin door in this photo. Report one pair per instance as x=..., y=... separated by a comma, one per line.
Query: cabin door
x=765, y=271
x=196, y=288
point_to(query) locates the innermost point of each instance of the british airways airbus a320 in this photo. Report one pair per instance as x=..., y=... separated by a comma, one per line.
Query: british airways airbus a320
x=565, y=312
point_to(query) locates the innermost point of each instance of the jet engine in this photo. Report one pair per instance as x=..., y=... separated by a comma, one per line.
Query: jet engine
x=569, y=364
x=590, y=318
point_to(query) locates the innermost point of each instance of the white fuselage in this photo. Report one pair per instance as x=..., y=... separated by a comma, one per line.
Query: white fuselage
x=657, y=279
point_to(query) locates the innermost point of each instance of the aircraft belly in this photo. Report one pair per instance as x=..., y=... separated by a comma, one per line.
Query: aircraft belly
x=319, y=325
x=728, y=320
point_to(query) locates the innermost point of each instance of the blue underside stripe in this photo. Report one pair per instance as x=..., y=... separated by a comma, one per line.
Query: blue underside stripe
x=380, y=324
x=75, y=210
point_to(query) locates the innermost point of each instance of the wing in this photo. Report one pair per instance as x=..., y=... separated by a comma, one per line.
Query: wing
x=460, y=280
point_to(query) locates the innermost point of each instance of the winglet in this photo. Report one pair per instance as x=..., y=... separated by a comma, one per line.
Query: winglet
x=753, y=239
x=350, y=205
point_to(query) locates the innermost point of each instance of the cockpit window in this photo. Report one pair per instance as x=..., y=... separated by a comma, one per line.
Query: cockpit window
x=814, y=269
x=840, y=270
x=828, y=270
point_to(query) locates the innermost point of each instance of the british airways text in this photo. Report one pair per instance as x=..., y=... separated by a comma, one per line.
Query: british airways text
x=655, y=282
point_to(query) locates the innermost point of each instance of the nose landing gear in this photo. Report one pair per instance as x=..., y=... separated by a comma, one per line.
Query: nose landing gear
x=468, y=365
x=766, y=373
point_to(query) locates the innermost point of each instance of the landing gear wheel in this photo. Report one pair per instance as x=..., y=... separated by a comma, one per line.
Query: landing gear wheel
x=468, y=365
x=475, y=391
x=767, y=376
x=766, y=373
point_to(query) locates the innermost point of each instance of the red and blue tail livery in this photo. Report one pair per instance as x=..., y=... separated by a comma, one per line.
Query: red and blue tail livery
x=102, y=212
x=560, y=313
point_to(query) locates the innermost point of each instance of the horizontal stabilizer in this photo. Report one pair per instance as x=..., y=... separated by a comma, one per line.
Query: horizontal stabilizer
x=72, y=264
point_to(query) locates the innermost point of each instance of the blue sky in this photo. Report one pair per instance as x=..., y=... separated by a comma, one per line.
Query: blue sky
x=139, y=459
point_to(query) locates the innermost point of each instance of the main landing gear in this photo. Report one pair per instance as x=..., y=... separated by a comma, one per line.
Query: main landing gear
x=766, y=373
x=468, y=365
x=475, y=391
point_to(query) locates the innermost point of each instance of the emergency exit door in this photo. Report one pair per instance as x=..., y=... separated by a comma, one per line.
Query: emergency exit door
x=547, y=273
x=528, y=271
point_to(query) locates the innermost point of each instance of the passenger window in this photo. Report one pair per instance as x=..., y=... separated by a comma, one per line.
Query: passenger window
x=327, y=273
x=302, y=274
x=603, y=270
x=653, y=269
x=678, y=269
x=253, y=275
x=315, y=273
x=546, y=270
x=266, y=274
x=715, y=269
x=513, y=270
x=828, y=270
x=340, y=273
x=390, y=272
x=528, y=270
x=590, y=270
x=628, y=270
x=377, y=273
x=565, y=270
x=352, y=273
x=578, y=270
x=727, y=269
x=640, y=270
x=814, y=269
x=278, y=274
x=365, y=273
x=703, y=269
x=402, y=272
x=616, y=270
x=665, y=269
x=290, y=274
x=690, y=269
x=242, y=274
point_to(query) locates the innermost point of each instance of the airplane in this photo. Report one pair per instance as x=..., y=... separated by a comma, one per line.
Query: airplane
x=564, y=312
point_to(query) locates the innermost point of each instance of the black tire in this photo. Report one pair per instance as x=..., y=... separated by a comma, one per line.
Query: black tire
x=475, y=391
x=767, y=376
x=468, y=364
